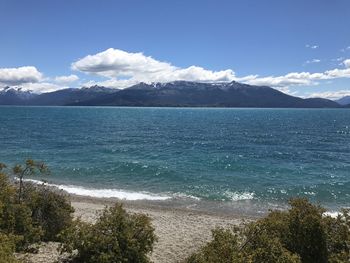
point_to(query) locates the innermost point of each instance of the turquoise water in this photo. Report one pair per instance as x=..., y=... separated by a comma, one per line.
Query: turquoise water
x=225, y=156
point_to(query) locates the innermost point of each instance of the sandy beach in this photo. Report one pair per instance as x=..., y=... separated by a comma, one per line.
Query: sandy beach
x=180, y=231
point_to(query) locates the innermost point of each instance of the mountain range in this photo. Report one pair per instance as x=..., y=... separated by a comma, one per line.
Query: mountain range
x=344, y=101
x=171, y=94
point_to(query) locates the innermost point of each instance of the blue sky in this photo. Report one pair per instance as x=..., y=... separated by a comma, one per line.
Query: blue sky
x=300, y=47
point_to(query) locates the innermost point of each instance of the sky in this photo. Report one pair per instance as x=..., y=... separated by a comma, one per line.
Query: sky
x=299, y=47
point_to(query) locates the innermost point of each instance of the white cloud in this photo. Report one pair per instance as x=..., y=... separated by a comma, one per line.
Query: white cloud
x=66, y=79
x=41, y=87
x=346, y=63
x=290, y=79
x=18, y=76
x=333, y=95
x=299, y=78
x=315, y=60
x=29, y=78
x=311, y=46
x=115, y=62
x=112, y=83
x=123, y=68
x=337, y=73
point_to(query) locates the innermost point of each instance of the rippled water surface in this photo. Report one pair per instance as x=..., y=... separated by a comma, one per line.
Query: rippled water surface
x=264, y=155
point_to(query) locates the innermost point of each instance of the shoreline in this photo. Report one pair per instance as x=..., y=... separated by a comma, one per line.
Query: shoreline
x=171, y=205
x=180, y=231
x=245, y=208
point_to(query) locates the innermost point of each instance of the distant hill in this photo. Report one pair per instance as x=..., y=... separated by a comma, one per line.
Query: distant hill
x=70, y=96
x=15, y=96
x=172, y=94
x=194, y=94
x=344, y=101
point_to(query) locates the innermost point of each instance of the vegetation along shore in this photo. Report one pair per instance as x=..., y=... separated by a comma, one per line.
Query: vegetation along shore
x=42, y=224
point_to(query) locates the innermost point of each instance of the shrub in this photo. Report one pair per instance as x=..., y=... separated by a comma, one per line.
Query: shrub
x=16, y=218
x=224, y=248
x=338, y=237
x=301, y=234
x=307, y=234
x=30, y=168
x=40, y=213
x=116, y=237
x=7, y=248
x=51, y=210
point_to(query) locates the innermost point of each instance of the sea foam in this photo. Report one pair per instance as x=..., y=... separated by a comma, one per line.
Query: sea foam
x=238, y=196
x=104, y=193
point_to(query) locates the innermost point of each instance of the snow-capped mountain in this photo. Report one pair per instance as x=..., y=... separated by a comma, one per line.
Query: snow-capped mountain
x=171, y=94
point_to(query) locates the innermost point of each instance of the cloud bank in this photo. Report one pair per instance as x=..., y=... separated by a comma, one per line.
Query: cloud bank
x=298, y=78
x=124, y=68
x=19, y=76
x=121, y=69
x=66, y=79
x=30, y=78
x=332, y=95
x=41, y=87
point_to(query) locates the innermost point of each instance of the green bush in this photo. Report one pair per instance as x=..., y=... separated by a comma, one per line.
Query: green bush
x=301, y=234
x=116, y=237
x=7, y=248
x=16, y=218
x=40, y=213
x=307, y=234
x=51, y=210
x=338, y=237
x=224, y=248
x=18, y=221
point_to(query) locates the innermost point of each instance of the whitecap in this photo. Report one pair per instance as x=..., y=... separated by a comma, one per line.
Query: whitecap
x=104, y=193
x=186, y=196
x=238, y=196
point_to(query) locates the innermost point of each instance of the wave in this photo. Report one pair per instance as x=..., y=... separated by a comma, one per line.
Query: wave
x=104, y=193
x=186, y=196
x=237, y=196
x=133, y=196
